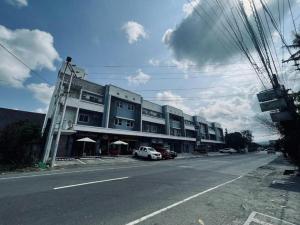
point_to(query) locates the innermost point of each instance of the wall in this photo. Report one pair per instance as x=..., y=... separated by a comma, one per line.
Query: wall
x=124, y=113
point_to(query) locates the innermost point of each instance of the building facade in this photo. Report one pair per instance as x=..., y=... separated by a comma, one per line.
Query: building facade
x=109, y=113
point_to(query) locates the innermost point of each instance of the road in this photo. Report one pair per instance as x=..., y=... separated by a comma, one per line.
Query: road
x=136, y=193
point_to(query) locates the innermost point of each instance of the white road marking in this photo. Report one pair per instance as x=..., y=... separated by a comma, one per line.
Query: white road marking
x=75, y=171
x=78, y=160
x=201, y=222
x=179, y=203
x=252, y=218
x=92, y=182
x=186, y=167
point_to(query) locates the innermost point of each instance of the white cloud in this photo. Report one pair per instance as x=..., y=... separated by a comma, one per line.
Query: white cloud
x=134, y=31
x=42, y=110
x=232, y=102
x=188, y=7
x=18, y=3
x=139, y=78
x=205, y=41
x=172, y=99
x=34, y=47
x=154, y=62
x=195, y=44
x=167, y=36
x=41, y=92
x=183, y=65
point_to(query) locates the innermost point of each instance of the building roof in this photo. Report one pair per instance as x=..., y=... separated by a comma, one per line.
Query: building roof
x=9, y=116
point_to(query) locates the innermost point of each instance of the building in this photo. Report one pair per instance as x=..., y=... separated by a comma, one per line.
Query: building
x=109, y=113
x=210, y=135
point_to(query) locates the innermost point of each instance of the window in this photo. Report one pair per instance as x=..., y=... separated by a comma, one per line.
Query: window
x=187, y=122
x=118, y=121
x=131, y=107
x=120, y=104
x=129, y=123
x=152, y=113
x=154, y=129
x=91, y=97
x=83, y=118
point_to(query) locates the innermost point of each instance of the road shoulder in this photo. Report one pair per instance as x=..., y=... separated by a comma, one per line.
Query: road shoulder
x=266, y=193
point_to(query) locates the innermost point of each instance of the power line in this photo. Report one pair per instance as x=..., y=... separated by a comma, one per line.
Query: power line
x=172, y=78
x=159, y=66
x=179, y=98
x=187, y=89
x=292, y=15
x=238, y=38
x=23, y=63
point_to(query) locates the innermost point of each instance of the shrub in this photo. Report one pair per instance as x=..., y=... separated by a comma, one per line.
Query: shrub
x=20, y=144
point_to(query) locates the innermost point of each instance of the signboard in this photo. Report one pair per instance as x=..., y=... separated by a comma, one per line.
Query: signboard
x=281, y=116
x=268, y=95
x=273, y=105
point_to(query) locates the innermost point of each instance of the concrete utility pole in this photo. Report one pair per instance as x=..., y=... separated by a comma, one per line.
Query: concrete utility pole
x=63, y=114
x=49, y=140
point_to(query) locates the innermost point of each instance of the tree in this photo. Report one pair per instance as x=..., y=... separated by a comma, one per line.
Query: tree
x=248, y=137
x=235, y=140
x=19, y=143
x=290, y=130
x=296, y=56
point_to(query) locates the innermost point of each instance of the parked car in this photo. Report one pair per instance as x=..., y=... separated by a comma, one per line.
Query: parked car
x=165, y=153
x=147, y=152
x=228, y=150
x=173, y=154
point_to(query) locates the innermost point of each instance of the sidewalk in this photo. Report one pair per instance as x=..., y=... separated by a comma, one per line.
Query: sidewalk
x=95, y=161
x=124, y=159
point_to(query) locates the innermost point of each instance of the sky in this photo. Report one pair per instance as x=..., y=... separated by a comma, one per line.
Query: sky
x=171, y=52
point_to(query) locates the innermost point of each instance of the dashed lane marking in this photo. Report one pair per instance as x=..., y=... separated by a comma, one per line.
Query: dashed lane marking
x=92, y=182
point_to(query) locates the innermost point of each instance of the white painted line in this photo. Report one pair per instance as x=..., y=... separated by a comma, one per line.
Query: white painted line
x=252, y=218
x=274, y=218
x=78, y=160
x=92, y=182
x=75, y=171
x=179, y=203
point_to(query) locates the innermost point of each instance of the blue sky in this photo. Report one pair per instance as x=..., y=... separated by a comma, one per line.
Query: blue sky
x=94, y=34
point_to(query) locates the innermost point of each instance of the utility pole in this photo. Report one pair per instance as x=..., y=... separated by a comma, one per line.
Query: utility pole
x=63, y=113
x=55, y=113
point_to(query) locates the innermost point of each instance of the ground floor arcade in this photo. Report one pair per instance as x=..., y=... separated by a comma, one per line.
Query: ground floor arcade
x=70, y=147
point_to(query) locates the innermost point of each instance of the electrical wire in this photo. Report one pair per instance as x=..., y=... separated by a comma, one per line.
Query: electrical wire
x=23, y=63
x=292, y=15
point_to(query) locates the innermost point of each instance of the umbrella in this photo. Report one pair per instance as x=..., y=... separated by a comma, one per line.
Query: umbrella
x=84, y=140
x=119, y=143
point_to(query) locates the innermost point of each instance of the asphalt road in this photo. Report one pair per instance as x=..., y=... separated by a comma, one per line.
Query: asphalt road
x=135, y=193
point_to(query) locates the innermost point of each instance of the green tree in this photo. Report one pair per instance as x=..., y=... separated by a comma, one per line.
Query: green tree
x=235, y=140
x=248, y=137
x=18, y=143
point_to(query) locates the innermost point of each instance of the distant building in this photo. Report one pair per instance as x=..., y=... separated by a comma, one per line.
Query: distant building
x=9, y=116
x=109, y=113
